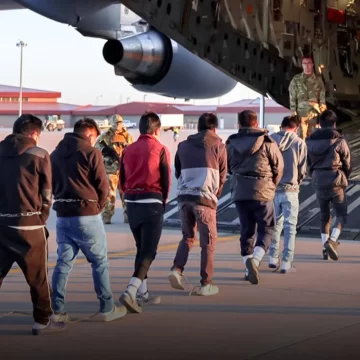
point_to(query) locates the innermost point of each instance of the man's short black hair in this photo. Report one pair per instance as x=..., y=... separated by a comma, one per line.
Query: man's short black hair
x=86, y=124
x=208, y=121
x=290, y=122
x=328, y=119
x=149, y=123
x=247, y=118
x=27, y=124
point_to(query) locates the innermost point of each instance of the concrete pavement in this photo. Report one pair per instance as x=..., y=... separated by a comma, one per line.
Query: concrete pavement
x=313, y=313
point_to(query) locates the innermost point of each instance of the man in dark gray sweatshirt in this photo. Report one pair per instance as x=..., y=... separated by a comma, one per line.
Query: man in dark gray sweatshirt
x=286, y=201
x=329, y=165
x=257, y=165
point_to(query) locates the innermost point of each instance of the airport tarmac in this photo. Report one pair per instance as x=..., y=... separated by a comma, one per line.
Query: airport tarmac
x=311, y=314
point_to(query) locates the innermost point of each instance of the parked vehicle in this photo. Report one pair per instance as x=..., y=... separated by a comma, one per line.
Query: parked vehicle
x=103, y=124
x=129, y=125
x=52, y=123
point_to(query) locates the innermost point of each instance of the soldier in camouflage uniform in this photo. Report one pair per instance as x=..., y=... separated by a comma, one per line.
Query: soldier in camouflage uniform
x=307, y=97
x=112, y=143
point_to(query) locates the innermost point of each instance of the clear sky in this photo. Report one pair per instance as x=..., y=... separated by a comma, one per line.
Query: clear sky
x=59, y=58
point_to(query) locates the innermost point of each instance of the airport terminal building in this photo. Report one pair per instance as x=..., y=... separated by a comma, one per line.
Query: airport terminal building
x=42, y=103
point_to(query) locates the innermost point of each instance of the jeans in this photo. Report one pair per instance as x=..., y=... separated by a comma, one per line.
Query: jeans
x=337, y=197
x=196, y=217
x=146, y=222
x=255, y=214
x=85, y=233
x=286, y=211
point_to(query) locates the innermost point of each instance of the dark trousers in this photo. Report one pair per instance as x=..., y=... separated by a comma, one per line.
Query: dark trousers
x=196, y=217
x=29, y=249
x=146, y=222
x=255, y=214
x=337, y=197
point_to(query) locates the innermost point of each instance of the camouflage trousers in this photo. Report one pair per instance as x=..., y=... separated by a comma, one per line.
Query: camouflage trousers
x=307, y=126
x=109, y=208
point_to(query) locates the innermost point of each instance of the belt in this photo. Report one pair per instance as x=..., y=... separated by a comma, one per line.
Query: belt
x=21, y=214
x=73, y=200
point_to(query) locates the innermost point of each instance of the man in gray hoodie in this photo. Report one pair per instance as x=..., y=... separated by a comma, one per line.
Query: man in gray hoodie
x=329, y=164
x=257, y=166
x=286, y=201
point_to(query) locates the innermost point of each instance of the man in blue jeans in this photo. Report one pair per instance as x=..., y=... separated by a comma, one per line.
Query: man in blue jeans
x=286, y=201
x=80, y=188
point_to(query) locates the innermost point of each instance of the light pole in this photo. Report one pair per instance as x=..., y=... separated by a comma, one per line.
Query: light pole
x=145, y=96
x=21, y=44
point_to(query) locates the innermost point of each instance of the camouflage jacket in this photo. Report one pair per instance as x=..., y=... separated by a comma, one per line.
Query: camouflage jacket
x=305, y=90
x=116, y=140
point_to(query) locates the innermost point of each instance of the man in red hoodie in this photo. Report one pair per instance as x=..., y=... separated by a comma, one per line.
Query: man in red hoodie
x=145, y=179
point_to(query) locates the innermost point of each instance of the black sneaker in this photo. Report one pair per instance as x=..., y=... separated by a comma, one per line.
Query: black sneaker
x=253, y=271
x=52, y=327
x=331, y=248
x=325, y=254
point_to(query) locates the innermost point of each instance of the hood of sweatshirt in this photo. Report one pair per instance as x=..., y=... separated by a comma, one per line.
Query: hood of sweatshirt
x=71, y=143
x=284, y=139
x=205, y=138
x=321, y=140
x=248, y=140
x=15, y=144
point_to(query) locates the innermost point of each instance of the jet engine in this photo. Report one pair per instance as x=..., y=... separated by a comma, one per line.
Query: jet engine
x=153, y=63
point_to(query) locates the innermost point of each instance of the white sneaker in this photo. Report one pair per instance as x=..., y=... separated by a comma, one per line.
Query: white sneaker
x=117, y=313
x=208, y=290
x=60, y=317
x=176, y=280
x=273, y=263
x=287, y=267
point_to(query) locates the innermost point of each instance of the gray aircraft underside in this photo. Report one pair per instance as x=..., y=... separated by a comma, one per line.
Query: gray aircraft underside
x=148, y=59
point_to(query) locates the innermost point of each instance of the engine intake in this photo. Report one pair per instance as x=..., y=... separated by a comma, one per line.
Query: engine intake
x=153, y=63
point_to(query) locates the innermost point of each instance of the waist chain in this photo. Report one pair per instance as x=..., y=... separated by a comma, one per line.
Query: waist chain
x=30, y=213
x=73, y=200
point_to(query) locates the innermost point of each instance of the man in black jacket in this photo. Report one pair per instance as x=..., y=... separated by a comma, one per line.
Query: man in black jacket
x=329, y=165
x=257, y=166
x=80, y=188
x=25, y=200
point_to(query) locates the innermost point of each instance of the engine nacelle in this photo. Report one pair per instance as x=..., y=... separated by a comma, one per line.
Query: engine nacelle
x=153, y=63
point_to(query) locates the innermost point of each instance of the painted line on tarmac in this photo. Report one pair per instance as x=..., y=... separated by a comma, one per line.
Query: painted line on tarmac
x=124, y=253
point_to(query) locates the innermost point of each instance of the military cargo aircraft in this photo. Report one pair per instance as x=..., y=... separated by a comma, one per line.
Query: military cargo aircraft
x=148, y=59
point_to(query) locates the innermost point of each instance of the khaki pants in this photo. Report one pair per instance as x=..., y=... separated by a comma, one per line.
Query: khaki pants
x=307, y=127
x=109, y=208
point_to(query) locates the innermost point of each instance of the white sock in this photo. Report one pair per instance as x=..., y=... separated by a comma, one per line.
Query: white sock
x=143, y=287
x=335, y=234
x=286, y=265
x=247, y=257
x=324, y=238
x=259, y=253
x=273, y=261
x=38, y=326
x=133, y=286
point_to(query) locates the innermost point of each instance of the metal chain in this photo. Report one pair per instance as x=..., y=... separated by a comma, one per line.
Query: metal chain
x=21, y=214
x=73, y=200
